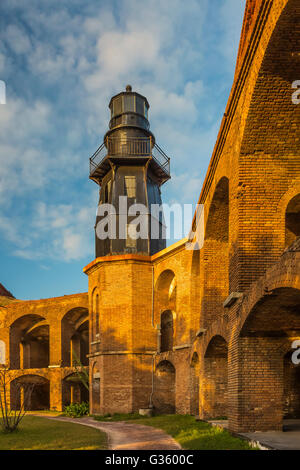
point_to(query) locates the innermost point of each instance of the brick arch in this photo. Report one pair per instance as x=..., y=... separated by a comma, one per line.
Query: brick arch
x=291, y=382
x=24, y=351
x=265, y=338
x=253, y=46
x=215, y=256
x=73, y=390
x=284, y=274
x=279, y=18
x=217, y=219
x=214, y=379
x=165, y=291
x=167, y=330
x=292, y=192
x=43, y=373
x=218, y=328
x=33, y=389
x=74, y=336
x=266, y=316
x=164, y=279
x=164, y=387
x=194, y=383
x=269, y=153
x=215, y=345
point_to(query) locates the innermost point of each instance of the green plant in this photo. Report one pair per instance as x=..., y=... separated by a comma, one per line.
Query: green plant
x=11, y=418
x=76, y=410
x=80, y=371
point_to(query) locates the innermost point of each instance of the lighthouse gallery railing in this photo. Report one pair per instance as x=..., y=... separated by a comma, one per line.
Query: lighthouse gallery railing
x=129, y=147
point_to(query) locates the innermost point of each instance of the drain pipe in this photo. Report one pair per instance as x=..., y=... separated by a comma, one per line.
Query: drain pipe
x=158, y=345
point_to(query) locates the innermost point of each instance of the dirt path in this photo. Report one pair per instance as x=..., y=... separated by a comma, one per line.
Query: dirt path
x=126, y=436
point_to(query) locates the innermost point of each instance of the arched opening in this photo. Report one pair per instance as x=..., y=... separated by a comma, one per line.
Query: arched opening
x=214, y=381
x=29, y=343
x=194, y=394
x=164, y=388
x=291, y=393
x=31, y=392
x=80, y=344
x=95, y=392
x=165, y=291
x=166, y=325
x=73, y=390
x=292, y=221
x=75, y=337
x=272, y=393
x=216, y=254
x=269, y=152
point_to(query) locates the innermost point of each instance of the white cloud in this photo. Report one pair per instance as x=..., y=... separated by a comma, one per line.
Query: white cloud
x=2, y=63
x=60, y=232
x=17, y=39
x=230, y=17
x=23, y=161
x=173, y=106
x=9, y=231
x=74, y=64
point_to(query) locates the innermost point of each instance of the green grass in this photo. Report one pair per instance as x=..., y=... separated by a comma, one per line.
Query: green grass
x=46, y=413
x=191, y=434
x=35, y=433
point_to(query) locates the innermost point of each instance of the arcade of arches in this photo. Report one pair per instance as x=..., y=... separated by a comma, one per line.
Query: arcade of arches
x=43, y=344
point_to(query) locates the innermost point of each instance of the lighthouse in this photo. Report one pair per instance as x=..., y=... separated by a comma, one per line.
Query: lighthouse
x=129, y=168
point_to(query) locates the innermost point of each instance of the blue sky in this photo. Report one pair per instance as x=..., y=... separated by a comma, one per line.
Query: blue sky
x=62, y=61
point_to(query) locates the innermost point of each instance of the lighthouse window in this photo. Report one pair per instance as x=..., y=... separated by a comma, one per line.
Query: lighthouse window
x=140, y=106
x=145, y=111
x=105, y=195
x=130, y=231
x=117, y=105
x=106, y=192
x=130, y=186
x=129, y=103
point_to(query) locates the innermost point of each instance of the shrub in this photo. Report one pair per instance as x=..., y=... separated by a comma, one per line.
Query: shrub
x=10, y=419
x=76, y=410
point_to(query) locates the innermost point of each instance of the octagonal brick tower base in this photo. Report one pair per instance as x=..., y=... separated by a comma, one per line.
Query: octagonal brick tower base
x=123, y=340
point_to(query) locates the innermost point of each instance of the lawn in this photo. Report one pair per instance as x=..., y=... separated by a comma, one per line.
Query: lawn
x=191, y=434
x=37, y=433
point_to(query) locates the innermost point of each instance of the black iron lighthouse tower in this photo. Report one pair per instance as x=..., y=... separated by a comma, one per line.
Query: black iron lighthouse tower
x=130, y=168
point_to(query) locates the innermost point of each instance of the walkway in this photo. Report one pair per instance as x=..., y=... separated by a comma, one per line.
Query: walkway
x=288, y=439
x=126, y=436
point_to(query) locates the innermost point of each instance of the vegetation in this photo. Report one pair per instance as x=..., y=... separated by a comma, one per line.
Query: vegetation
x=10, y=419
x=37, y=433
x=191, y=434
x=80, y=371
x=76, y=410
